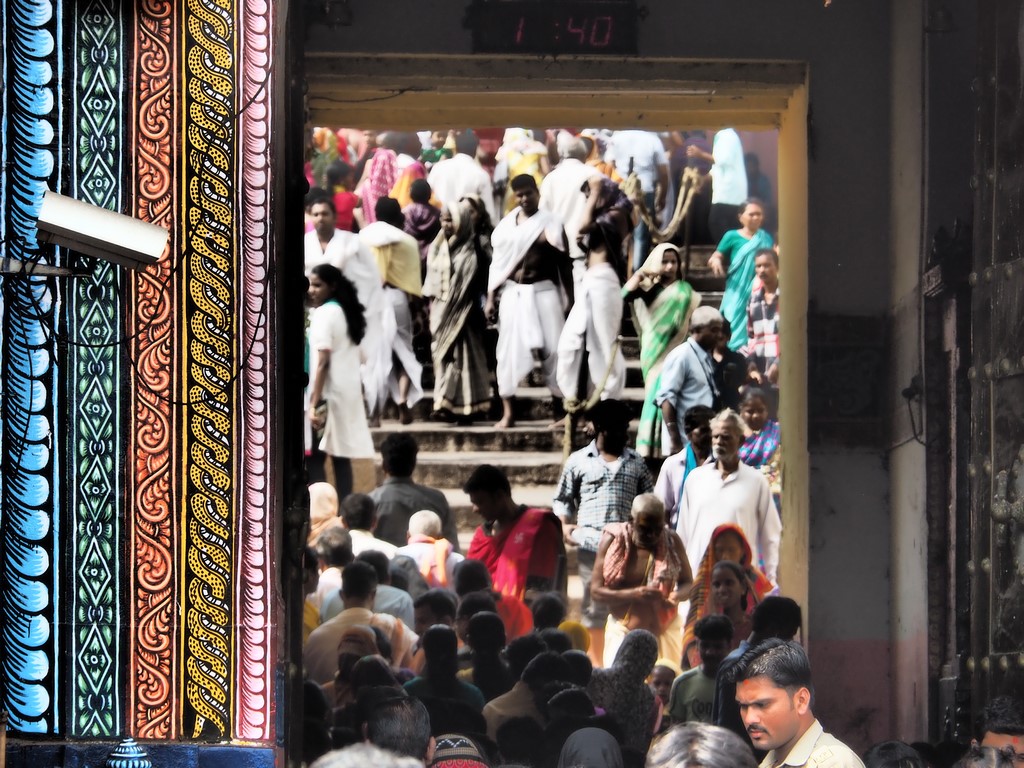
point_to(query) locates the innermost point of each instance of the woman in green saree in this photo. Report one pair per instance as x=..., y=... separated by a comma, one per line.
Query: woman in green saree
x=662, y=305
x=734, y=259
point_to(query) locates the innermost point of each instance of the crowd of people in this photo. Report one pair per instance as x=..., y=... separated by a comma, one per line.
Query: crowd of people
x=684, y=652
x=418, y=654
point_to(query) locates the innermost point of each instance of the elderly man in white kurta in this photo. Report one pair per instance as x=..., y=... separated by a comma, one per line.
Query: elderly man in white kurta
x=729, y=491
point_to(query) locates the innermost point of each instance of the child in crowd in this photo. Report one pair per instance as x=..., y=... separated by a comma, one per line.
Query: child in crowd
x=693, y=692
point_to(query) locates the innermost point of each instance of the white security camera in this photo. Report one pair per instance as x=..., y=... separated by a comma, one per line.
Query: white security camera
x=94, y=231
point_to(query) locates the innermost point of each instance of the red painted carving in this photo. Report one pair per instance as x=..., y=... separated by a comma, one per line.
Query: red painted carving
x=152, y=646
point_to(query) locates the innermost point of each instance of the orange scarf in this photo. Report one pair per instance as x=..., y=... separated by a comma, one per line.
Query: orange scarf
x=434, y=569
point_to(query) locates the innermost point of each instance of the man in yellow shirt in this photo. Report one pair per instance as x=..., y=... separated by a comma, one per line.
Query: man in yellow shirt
x=775, y=694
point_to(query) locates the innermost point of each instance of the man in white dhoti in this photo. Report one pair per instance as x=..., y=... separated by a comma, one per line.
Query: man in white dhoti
x=394, y=370
x=531, y=270
x=344, y=250
x=562, y=192
x=588, y=356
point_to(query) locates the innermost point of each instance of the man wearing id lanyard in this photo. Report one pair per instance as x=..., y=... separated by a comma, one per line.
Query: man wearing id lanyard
x=687, y=377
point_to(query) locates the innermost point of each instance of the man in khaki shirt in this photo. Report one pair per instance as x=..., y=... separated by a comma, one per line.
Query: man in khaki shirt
x=775, y=693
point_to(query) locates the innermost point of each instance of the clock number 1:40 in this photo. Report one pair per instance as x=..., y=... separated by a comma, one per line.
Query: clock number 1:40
x=596, y=32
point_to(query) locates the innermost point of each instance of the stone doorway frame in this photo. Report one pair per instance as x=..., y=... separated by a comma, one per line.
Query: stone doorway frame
x=416, y=91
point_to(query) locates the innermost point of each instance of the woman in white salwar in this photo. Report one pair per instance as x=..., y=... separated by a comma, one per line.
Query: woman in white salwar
x=336, y=326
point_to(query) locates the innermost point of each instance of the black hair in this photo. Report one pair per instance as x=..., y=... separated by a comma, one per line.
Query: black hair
x=334, y=547
x=474, y=603
x=488, y=479
x=580, y=667
x=389, y=210
x=316, y=740
x=751, y=201
x=697, y=416
x=715, y=626
x=440, y=649
x=315, y=195
x=383, y=643
x=379, y=561
x=327, y=200
x=440, y=602
x=609, y=415
x=471, y=576
x=777, y=617
x=344, y=292
x=369, y=671
x=400, y=725
x=486, y=638
x=754, y=392
x=397, y=577
x=520, y=740
x=466, y=143
x=337, y=172
x=314, y=702
x=741, y=577
x=398, y=454
x=548, y=610
x=978, y=756
x=556, y=640
x=570, y=701
x=1005, y=715
x=521, y=651
x=522, y=182
x=358, y=511
x=767, y=252
x=892, y=754
x=544, y=668
x=420, y=191
x=358, y=580
x=784, y=662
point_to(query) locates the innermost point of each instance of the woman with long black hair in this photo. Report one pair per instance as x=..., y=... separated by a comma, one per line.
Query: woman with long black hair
x=336, y=326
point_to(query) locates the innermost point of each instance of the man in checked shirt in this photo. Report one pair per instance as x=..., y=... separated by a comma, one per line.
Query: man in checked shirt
x=597, y=487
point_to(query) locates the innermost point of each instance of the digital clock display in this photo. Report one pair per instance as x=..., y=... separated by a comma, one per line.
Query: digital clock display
x=554, y=26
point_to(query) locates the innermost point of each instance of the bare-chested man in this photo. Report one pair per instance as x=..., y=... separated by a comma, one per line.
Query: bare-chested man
x=532, y=271
x=641, y=573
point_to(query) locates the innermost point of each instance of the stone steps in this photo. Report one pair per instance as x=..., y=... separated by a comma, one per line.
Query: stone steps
x=445, y=469
x=531, y=404
x=525, y=436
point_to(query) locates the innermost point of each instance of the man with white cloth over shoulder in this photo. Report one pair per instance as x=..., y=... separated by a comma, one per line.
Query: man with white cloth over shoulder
x=531, y=270
x=588, y=356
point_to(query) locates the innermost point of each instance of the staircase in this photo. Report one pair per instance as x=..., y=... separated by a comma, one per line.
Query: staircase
x=531, y=452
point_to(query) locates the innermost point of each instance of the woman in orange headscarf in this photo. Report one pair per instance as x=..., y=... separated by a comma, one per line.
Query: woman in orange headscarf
x=727, y=543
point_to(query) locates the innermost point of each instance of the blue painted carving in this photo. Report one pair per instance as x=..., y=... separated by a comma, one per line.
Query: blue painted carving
x=28, y=523
x=94, y=386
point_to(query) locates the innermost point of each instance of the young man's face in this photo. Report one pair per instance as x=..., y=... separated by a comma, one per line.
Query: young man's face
x=323, y=219
x=528, y=199
x=767, y=270
x=485, y=504
x=700, y=437
x=712, y=653
x=770, y=714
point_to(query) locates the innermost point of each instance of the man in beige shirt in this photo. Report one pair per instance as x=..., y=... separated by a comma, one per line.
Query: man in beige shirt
x=775, y=693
